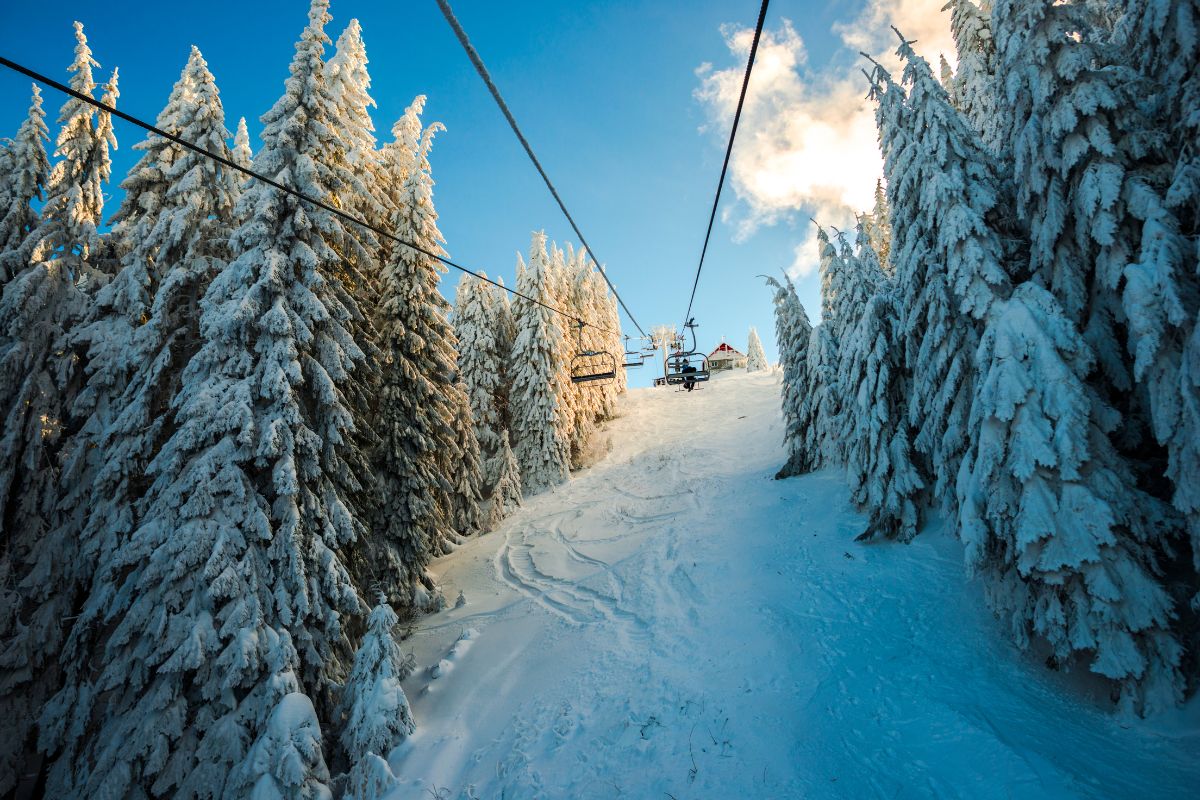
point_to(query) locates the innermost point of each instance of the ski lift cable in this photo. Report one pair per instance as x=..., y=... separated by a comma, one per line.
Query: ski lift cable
x=737, y=116
x=473, y=55
x=37, y=76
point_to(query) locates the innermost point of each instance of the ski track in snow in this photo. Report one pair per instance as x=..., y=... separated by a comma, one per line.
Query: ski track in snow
x=674, y=623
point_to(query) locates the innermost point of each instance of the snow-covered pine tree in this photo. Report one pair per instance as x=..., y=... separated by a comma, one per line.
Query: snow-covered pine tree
x=40, y=376
x=878, y=229
x=357, y=268
x=792, y=334
x=25, y=175
x=1050, y=512
x=947, y=78
x=241, y=153
x=577, y=426
x=820, y=403
x=409, y=524
x=375, y=709
x=233, y=589
x=479, y=359
x=883, y=478
x=542, y=447
x=1051, y=517
x=506, y=492
x=505, y=330
x=1092, y=188
x=976, y=91
x=939, y=339
x=174, y=224
x=285, y=762
x=863, y=280
x=349, y=82
x=756, y=358
x=1161, y=39
x=464, y=467
x=415, y=418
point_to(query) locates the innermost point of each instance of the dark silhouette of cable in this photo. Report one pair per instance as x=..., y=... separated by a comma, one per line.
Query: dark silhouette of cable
x=37, y=76
x=737, y=116
x=472, y=54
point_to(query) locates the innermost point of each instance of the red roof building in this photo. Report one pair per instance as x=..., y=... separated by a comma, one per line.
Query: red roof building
x=726, y=357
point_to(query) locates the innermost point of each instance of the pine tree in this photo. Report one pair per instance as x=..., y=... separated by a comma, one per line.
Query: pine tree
x=1049, y=516
x=878, y=230
x=237, y=584
x=575, y=425
x=1160, y=39
x=349, y=83
x=375, y=709
x=25, y=177
x=756, y=359
x=947, y=79
x=542, y=446
x=939, y=341
x=464, y=468
x=1049, y=511
x=506, y=492
x=883, y=478
x=175, y=222
x=241, y=154
x=419, y=408
x=976, y=92
x=822, y=397
x=1105, y=241
x=792, y=334
x=505, y=330
x=285, y=762
x=40, y=376
x=479, y=358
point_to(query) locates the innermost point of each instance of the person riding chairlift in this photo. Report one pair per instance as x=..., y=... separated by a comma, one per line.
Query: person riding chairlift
x=689, y=382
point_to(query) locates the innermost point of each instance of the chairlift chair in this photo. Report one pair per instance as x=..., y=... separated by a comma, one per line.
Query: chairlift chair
x=690, y=367
x=684, y=367
x=634, y=357
x=591, y=366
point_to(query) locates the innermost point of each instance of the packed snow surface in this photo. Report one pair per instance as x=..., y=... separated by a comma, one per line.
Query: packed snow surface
x=673, y=623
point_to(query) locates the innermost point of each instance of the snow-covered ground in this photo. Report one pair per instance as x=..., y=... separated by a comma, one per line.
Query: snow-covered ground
x=673, y=623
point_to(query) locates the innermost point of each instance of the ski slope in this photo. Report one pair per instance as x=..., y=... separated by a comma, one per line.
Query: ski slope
x=673, y=623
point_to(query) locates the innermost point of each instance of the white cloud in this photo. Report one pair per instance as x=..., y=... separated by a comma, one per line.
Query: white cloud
x=807, y=144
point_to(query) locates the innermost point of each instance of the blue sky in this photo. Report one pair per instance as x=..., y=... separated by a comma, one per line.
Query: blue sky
x=606, y=92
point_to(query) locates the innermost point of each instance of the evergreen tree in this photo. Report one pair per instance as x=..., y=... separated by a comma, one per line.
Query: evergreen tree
x=883, y=478
x=1049, y=515
x=505, y=330
x=241, y=154
x=939, y=342
x=506, y=491
x=976, y=92
x=349, y=83
x=543, y=448
x=25, y=175
x=878, y=229
x=756, y=359
x=285, y=762
x=175, y=222
x=375, y=709
x=479, y=359
x=822, y=397
x=420, y=408
x=1160, y=39
x=792, y=334
x=1105, y=242
x=235, y=587
x=40, y=376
